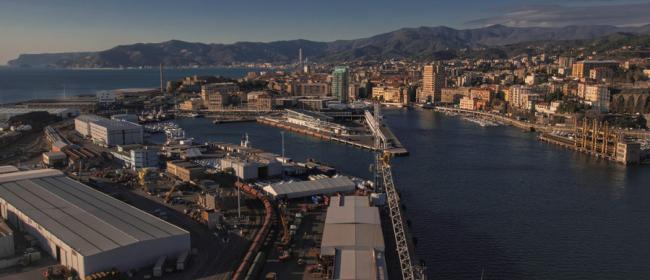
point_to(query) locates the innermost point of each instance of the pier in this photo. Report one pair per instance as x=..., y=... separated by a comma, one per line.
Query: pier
x=367, y=142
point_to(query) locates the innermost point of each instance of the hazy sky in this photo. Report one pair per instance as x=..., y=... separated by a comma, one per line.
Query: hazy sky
x=33, y=26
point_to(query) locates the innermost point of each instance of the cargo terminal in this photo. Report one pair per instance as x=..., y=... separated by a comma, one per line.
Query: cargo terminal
x=82, y=228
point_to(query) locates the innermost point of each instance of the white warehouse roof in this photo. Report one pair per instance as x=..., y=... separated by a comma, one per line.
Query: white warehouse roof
x=308, y=188
x=353, y=237
x=85, y=219
x=116, y=124
x=360, y=264
x=349, y=215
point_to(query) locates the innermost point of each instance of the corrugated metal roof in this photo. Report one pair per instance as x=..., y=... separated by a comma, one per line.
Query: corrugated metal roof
x=85, y=219
x=350, y=201
x=351, y=236
x=307, y=188
x=115, y=124
x=352, y=215
x=360, y=265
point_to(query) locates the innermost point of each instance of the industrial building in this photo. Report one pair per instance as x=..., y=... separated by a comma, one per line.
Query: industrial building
x=137, y=156
x=108, y=132
x=185, y=170
x=309, y=188
x=55, y=159
x=82, y=228
x=260, y=167
x=82, y=124
x=353, y=243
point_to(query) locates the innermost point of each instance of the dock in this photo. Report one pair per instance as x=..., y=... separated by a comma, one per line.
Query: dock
x=361, y=142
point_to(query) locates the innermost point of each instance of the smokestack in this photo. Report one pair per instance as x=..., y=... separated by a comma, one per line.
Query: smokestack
x=161, y=79
x=300, y=56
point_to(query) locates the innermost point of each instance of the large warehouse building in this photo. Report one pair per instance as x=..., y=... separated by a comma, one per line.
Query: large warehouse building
x=109, y=132
x=353, y=244
x=309, y=188
x=83, y=228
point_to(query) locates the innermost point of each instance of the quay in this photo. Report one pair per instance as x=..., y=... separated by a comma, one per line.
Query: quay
x=509, y=121
x=532, y=126
x=363, y=142
x=598, y=140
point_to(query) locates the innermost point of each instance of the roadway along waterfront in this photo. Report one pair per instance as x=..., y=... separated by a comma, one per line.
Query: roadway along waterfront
x=494, y=198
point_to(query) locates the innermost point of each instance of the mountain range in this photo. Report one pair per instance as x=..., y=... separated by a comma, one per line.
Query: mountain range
x=421, y=42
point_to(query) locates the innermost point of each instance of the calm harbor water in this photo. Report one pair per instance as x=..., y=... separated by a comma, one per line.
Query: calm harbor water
x=492, y=199
x=18, y=84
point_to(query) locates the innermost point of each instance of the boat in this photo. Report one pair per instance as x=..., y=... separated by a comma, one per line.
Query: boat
x=481, y=122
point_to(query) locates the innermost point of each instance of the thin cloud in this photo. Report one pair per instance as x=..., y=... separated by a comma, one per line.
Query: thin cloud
x=556, y=15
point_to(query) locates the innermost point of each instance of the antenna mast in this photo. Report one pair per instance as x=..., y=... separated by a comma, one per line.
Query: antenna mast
x=161, y=79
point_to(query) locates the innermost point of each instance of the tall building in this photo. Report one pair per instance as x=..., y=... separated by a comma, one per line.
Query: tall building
x=566, y=61
x=522, y=97
x=598, y=96
x=341, y=83
x=215, y=96
x=581, y=69
x=433, y=80
x=310, y=89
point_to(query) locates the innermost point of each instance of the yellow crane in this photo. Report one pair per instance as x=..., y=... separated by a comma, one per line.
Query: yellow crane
x=168, y=195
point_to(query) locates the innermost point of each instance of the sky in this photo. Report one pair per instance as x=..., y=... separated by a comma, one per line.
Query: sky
x=47, y=26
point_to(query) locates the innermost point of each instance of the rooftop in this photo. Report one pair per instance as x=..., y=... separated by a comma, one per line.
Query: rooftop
x=352, y=215
x=89, y=118
x=351, y=236
x=87, y=220
x=307, y=188
x=310, y=114
x=116, y=124
x=360, y=264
